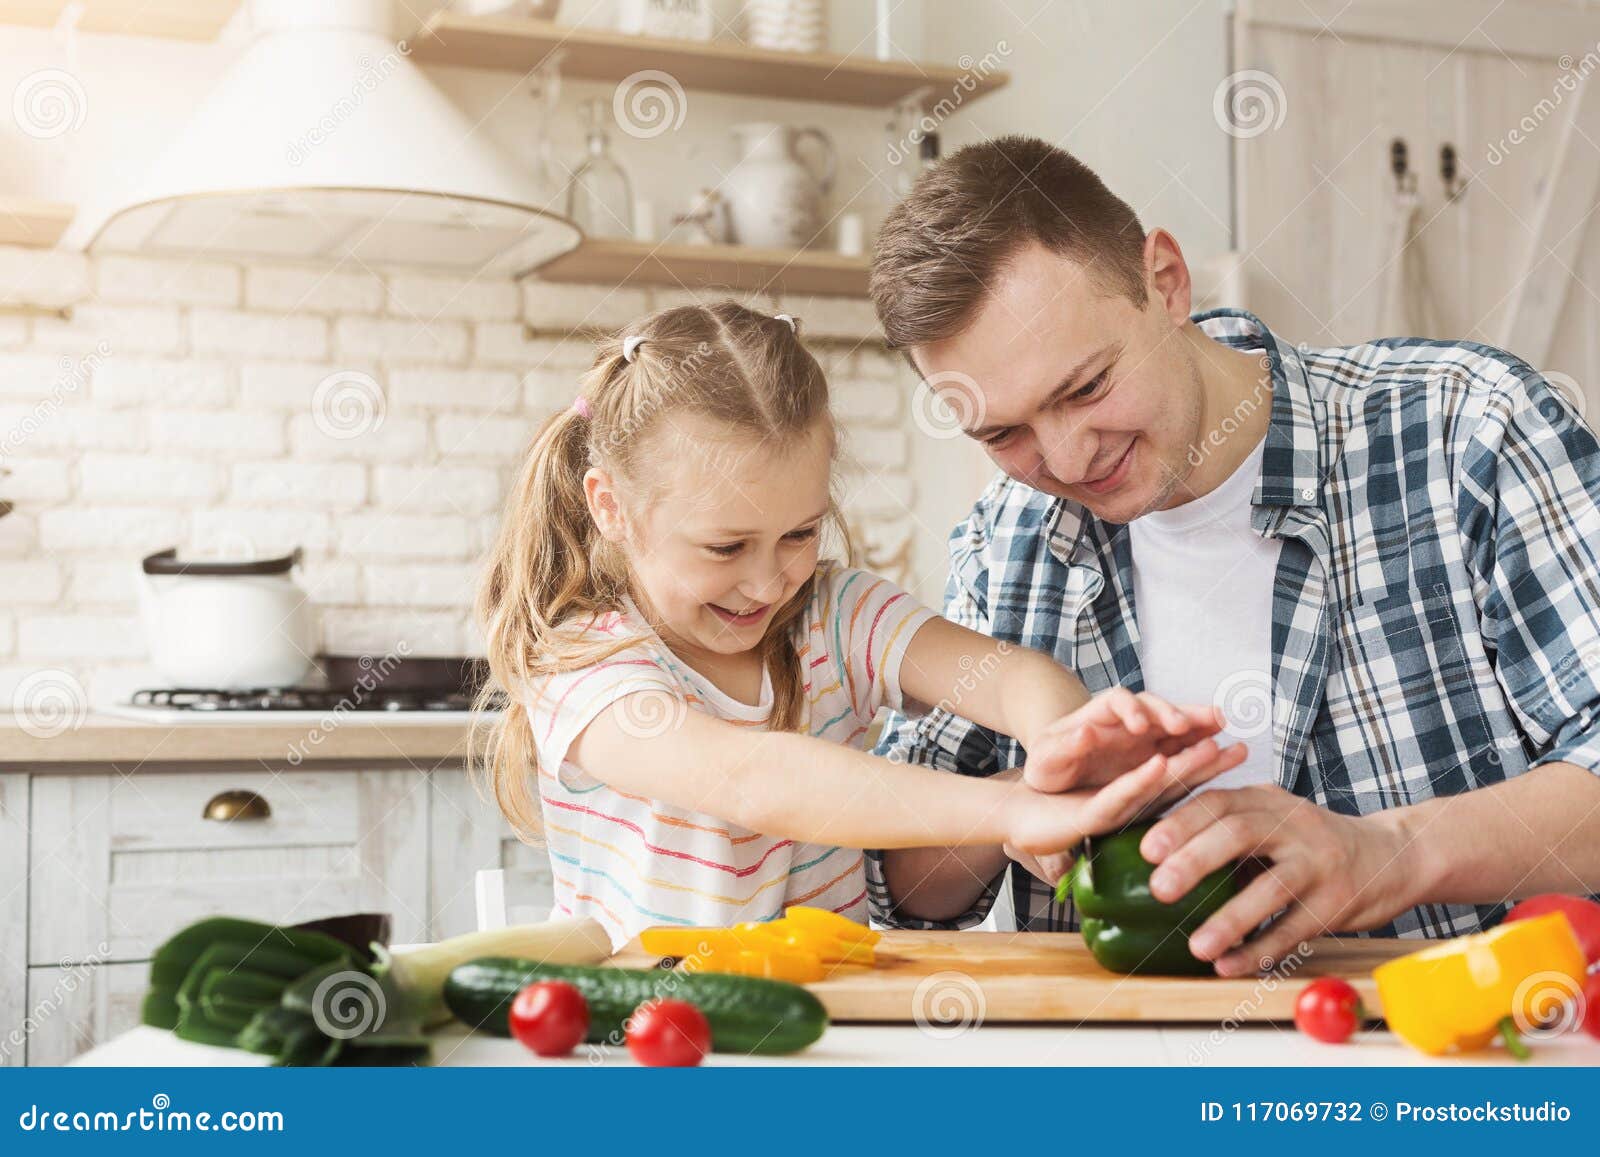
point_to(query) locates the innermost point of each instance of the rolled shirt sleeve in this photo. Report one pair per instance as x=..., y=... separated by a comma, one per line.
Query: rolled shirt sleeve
x=1528, y=505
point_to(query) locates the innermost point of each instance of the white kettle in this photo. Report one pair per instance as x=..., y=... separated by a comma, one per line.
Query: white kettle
x=227, y=626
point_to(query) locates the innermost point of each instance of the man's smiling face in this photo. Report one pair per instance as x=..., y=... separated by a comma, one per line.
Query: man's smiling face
x=1078, y=392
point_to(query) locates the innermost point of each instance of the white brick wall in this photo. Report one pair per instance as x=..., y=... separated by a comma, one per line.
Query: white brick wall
x=372, y=419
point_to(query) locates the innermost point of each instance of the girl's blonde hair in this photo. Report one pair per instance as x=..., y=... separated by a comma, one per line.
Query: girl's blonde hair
x=550, y=572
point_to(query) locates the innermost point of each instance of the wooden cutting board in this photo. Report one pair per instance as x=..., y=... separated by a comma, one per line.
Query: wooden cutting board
x=942, y=978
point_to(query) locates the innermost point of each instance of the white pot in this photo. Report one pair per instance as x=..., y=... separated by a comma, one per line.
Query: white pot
x=227, y=625
x=774, y=199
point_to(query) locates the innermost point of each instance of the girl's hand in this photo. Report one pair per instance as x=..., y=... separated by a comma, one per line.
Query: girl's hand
x=1113, y=732
x=1046, y=827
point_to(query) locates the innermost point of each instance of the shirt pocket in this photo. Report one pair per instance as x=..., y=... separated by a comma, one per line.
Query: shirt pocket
x=1410, y=696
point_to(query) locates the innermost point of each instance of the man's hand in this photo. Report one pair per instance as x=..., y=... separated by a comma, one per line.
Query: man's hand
x=1323, y=872
x=1114, y=732
x=1158, y=782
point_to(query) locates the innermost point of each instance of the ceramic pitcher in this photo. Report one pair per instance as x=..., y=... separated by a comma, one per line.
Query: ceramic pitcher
x=774, y=197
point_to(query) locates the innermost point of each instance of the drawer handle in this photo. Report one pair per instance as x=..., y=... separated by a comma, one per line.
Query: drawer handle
x=237, y=805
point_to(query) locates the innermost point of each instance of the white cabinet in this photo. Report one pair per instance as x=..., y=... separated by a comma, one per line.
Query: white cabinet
x=121, y=862
x=469, y=834
x=73, y=1007
x=13, y=917
x=117, y=862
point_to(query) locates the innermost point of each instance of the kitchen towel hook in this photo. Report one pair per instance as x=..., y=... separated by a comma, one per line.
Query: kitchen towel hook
x=1405, y=181
x=1450, y=171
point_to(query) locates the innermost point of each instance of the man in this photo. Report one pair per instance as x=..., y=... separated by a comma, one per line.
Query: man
x=1382, y=562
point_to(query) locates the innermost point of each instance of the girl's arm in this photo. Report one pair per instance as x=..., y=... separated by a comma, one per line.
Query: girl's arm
x=802, y=788
x=1029, y=696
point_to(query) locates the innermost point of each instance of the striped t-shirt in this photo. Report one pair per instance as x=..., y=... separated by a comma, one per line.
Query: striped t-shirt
x=632, y=862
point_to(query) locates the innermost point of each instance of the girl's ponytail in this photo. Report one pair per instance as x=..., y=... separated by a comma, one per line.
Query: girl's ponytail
x=542, y=569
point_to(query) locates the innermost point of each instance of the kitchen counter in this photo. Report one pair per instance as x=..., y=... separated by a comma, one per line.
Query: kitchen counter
x=352, y=736
x=987, y=1046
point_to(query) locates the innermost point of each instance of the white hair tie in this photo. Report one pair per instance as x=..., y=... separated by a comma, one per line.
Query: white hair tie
x=794, y=328
x=630, y=346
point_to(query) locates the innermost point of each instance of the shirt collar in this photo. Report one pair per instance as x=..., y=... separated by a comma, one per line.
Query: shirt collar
x=1291, y=469
x=1291, y=462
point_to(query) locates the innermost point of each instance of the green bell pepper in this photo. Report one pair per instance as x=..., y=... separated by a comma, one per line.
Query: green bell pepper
x=1126, y=928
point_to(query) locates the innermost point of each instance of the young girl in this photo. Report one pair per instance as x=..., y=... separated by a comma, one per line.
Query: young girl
x=689, y=685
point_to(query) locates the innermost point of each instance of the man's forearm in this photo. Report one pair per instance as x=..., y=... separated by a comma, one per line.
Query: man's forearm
x=939, y=883
x=1538, y=832
x=942, y=883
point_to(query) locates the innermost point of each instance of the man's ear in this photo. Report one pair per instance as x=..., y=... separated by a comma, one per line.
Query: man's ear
x=604, y=505
x=1167, y=275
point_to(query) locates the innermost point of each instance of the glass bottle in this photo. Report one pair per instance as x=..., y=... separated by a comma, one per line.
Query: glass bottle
x=599, y=195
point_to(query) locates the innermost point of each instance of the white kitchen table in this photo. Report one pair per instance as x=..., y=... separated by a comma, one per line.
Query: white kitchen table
x=988, y=1046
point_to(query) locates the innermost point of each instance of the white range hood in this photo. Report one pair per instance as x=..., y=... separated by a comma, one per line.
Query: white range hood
x=324, y=142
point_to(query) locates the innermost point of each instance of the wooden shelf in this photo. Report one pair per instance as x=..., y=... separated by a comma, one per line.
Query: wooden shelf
x=38, y=224
x=725, y=266
x=713, y=66
x=174, y=19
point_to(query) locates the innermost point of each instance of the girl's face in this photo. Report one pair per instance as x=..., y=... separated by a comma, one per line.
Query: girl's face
x=727, y=533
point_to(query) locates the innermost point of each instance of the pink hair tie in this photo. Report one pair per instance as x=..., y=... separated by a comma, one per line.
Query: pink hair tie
x=581, y=404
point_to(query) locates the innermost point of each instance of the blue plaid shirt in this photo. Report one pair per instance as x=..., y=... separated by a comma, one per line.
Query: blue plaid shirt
x=1436, y=615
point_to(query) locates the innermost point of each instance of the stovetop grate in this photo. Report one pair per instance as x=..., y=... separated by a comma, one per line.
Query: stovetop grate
x=206, y=699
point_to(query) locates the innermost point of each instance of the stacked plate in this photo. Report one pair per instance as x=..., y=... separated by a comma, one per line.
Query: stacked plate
x=786, y=25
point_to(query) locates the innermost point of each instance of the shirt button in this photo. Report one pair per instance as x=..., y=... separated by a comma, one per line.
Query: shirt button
x=1308, y=494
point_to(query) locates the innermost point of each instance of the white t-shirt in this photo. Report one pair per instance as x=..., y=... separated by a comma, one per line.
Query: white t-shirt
x=1202, y=594
x=632, y=862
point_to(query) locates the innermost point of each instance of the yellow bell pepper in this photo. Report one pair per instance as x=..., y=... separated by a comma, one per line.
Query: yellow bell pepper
x=829, y=948
x=795, y=966
x=796, y=947
x=822, y=920
x=1459, y=995
x=686, y=941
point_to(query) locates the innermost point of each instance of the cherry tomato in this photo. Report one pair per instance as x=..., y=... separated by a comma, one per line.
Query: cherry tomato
x=1328, y=1009
x=550, y=1017
x=1582, y=914
x=1591, y=1005
x=668, y=1033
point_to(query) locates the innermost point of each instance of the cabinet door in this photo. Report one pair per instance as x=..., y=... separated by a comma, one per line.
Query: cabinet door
x=121, y=862
x=469, y=834
x=73, y=1007
x=13, y=917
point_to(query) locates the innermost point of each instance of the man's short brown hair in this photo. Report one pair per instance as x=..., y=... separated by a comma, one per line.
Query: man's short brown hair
x=941, y=248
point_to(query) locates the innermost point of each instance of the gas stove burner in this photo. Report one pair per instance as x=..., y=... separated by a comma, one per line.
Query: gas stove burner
x=205, y=699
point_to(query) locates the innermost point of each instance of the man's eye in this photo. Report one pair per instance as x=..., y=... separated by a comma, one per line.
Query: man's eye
x=1089, y=390
x=995, y=441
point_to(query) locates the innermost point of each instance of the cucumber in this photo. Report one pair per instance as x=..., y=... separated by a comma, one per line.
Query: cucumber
x=746, y=1014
